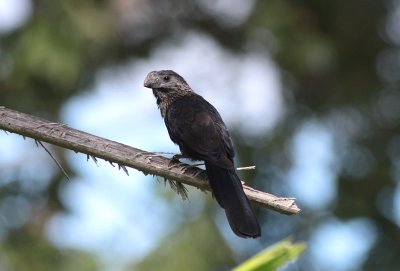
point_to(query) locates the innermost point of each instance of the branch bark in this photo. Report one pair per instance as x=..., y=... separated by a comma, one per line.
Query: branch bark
x=125, y=156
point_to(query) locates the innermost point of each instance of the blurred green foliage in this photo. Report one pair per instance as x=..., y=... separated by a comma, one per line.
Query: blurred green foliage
x=210, y=249
x=274, y=257
x=25, y=250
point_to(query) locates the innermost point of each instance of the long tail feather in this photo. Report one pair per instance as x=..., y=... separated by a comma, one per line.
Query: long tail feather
x=229, y=193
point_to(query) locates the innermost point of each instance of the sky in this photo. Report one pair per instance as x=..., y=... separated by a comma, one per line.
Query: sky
x=112, y=210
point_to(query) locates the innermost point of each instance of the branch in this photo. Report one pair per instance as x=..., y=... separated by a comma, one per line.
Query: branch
x=125, y=156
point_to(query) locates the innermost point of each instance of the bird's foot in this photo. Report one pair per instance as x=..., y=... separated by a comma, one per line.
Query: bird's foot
x=174, y=162
x=178, y=156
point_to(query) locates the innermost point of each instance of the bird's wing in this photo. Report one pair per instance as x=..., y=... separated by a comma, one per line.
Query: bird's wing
x=196, y=126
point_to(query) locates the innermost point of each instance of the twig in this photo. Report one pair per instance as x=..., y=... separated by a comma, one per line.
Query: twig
x=246, y=168
x=54, y=159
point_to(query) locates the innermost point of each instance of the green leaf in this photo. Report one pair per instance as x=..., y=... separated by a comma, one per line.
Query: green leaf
x=273, y=257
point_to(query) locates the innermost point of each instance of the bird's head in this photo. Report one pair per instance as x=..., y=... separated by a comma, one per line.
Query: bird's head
x=167, y=86
x=165, y=80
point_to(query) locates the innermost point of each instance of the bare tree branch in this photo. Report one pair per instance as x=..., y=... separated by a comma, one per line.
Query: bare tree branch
x=125, y=156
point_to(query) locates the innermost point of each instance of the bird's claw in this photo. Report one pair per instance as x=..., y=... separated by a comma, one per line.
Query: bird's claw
x=176, y=157
x=174, y=162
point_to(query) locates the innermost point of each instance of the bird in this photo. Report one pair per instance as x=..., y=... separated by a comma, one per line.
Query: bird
x=199, y=131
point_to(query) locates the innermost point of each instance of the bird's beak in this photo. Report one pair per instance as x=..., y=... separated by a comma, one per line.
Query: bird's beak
x=151, y=80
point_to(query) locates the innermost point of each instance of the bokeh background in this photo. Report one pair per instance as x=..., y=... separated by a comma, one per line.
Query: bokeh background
x=310, y=91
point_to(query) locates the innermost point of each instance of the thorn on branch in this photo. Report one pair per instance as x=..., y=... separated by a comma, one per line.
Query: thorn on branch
x=123, y=168
x=94, y=160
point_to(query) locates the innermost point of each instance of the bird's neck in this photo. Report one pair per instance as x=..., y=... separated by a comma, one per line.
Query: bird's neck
x=165, y=99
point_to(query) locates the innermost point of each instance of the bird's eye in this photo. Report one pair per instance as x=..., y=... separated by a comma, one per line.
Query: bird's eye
x=166, y=78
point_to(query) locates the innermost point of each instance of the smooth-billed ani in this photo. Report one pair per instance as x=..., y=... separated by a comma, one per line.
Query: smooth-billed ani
x=197, y=128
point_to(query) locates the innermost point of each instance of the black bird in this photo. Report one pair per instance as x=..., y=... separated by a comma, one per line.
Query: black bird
x=197, y=128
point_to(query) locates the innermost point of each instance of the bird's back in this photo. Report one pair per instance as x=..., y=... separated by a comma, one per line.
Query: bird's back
x=196, y=126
